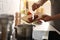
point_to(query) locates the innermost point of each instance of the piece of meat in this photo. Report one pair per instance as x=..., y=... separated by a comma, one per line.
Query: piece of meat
x=29, y=13
x=35, y=16
x=30, y=20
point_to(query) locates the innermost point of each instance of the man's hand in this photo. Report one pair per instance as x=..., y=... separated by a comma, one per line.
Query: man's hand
x=35, y=6
x=46, y=18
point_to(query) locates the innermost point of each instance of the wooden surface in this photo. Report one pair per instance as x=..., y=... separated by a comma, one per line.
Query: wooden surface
x=25, y=18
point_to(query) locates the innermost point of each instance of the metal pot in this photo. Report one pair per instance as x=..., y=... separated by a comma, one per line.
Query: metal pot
x=5, y=24
x=24, y=30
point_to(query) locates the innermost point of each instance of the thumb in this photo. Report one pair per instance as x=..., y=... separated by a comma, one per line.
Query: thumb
x=43, y=16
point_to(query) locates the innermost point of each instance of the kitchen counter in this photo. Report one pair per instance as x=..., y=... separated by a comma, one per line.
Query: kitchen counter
x=41, y=31
x=44, y=27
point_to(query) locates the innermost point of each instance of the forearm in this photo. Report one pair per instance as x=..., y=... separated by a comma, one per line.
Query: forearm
x=41, y=2
x=56, y=17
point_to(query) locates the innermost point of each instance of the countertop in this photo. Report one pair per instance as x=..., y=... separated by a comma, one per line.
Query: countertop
x=41, y=31
x=45, y=26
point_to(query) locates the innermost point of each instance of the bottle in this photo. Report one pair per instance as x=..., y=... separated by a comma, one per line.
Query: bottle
x=17, y=18
x=27, y=8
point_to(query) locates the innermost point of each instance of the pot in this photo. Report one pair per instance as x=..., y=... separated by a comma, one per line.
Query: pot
x=24, y=30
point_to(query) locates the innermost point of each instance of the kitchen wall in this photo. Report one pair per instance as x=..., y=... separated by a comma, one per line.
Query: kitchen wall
x=9, y=6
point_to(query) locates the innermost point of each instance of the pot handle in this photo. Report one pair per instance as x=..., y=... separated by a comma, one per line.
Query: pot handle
x=15, y=32
x=34, y=25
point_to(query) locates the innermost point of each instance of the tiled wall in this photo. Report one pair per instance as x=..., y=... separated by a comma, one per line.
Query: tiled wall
x=9, y=6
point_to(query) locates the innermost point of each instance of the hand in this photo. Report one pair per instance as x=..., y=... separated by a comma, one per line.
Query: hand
x=35, y=6
x=39, y=21
x=30, y=20
x=46, y=18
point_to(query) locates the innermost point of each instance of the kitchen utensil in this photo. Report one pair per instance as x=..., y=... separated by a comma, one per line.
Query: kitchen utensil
x=24, y=31
x=5, y=23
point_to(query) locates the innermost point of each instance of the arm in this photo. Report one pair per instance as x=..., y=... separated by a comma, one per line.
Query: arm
x=38, y=4
x=56, y=17
x=41, y=2
x=50, y=18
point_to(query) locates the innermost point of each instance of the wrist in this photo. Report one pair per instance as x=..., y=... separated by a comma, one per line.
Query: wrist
x=52, y=17
x=39, y=3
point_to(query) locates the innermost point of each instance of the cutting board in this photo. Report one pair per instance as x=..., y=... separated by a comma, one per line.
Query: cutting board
x=25, y=18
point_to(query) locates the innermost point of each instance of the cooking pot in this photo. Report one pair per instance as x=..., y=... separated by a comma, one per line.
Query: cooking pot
x=5, y=24
x=24, y=30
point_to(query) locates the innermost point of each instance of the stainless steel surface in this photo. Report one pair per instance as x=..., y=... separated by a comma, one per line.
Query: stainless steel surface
x=4, y=22
x=10, y=23
x=24, y=30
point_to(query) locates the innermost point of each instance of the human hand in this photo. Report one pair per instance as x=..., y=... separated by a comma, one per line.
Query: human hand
x=46, y=18
x=35, y=6
x=31, y=20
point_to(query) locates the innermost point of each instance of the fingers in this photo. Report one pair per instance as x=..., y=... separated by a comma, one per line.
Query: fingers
x=34, y=6
x=46, y=18
x=43, y=16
